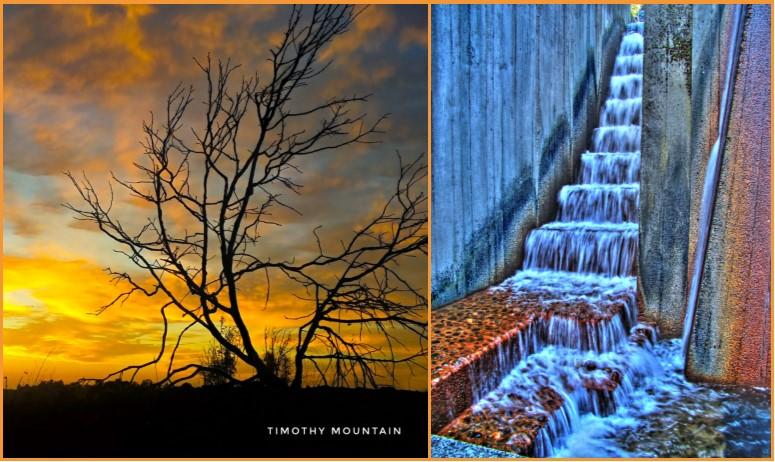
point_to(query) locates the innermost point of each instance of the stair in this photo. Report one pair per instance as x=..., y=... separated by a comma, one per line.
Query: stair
x=515, y=365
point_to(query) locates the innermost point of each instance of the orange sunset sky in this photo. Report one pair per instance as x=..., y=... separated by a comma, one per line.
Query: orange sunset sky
x=78, y=83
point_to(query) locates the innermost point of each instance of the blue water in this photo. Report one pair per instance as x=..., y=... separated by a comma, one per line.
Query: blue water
x=667, y=416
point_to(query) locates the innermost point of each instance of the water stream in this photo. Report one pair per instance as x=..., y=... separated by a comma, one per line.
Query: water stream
x=621, y=391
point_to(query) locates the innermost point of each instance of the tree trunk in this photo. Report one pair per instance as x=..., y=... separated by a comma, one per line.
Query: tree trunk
x=298, y=365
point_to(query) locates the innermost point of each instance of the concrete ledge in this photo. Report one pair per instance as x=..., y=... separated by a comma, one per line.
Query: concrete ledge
x=476, y=341
x=442, y=447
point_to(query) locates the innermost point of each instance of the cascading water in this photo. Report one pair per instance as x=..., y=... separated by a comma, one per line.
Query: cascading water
x=586, y=379
x=596, y=231
x=582, y=376
x=591, y=247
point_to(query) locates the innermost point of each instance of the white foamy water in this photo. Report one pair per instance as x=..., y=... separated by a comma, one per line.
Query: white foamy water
x=667, y=416
x=632, y=64
x=604, y=248
x=570, y=372
x=615, y=203
x=626, y=86
x=564, y=286
x=621, y=111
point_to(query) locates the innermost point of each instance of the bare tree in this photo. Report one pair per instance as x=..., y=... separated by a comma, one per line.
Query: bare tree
x=368, y=292
x=225, y=178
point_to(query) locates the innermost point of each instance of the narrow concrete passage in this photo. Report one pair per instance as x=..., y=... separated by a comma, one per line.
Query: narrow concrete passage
x=555, y=361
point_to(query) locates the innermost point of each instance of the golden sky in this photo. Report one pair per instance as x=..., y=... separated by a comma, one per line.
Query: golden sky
x=79, y=81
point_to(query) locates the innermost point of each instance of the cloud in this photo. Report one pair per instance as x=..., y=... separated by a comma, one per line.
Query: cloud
x=50, y=304
x=414, y=36
x=22, y=224
x=79, y=81
x=81, y=48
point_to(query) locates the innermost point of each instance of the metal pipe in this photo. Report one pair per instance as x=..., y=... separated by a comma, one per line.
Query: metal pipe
x=711, y=181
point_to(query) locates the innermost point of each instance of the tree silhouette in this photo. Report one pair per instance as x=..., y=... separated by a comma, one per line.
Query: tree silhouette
x=367, y=291
x=218, y=357
x=277, y=348
x=225, y=177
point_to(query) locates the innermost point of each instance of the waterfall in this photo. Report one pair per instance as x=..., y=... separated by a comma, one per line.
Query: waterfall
x=580, y=375
x=596, y=229
x=588, y=351
x=596, y=233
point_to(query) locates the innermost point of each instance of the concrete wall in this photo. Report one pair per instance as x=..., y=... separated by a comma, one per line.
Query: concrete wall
x=665, y=163
x=516, y=93
x=731, y=337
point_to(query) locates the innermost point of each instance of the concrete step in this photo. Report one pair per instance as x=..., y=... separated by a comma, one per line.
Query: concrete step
x=632, y=64
x=626, y=86
x=540, y=401
x=621, y=112
x=616, y=138
x=478, y=340
x=605, y=202
x=613, y=167
x=608, y=249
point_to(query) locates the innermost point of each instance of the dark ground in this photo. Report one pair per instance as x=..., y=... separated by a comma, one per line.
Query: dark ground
x=121, y=420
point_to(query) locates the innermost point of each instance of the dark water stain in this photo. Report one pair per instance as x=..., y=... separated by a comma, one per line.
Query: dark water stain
x=553, y=145
x=485, y=243
x=586, y=84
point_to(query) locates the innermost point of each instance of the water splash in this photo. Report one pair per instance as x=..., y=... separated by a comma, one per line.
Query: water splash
x=666, y=416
